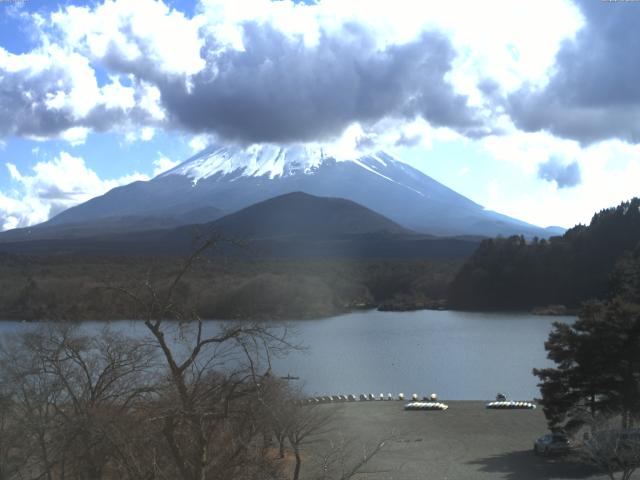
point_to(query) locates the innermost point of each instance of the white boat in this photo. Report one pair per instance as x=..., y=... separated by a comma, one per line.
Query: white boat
x=510, y=405
x=426, y=406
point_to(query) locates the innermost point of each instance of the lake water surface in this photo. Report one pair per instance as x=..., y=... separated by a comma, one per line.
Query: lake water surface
x=458, y=355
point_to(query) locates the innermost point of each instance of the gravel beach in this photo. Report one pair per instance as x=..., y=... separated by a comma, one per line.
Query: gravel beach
x=466, y=441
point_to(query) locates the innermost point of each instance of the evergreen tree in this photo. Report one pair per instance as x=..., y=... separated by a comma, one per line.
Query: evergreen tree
x=597, y=366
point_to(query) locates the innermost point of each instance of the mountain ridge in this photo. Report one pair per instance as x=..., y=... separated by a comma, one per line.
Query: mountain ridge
x=228, y=179
x=293, y=225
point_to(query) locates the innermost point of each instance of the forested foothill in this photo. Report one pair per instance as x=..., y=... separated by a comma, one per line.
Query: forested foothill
x=518, y=274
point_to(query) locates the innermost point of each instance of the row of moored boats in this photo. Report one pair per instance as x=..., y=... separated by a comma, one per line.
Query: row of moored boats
x=428, y=402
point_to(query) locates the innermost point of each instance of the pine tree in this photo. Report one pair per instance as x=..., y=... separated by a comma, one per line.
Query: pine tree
x=597, y=366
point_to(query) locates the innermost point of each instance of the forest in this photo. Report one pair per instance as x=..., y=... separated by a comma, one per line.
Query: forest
x=74, y=287
x=518, y=274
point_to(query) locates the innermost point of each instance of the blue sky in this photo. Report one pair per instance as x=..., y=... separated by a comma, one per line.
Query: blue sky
x=543, y=128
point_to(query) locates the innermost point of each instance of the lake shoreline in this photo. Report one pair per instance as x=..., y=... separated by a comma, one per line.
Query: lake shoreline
x=437, y=306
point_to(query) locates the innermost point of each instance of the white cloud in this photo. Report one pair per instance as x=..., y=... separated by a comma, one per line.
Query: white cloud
x=501, y=39
x=147, y=134
x=529, y=150
x=144, y=134
x=150, y=101
x=163, y=164
x=495, y=192
x=395, y=136
x=497, y=39
x=52, y=92
x=609, y=174
x=199, y=143
x=148, y=48
x=53, y=186
x=141, y=30
x=116, y=95
x=82, y=92
x=75, y=135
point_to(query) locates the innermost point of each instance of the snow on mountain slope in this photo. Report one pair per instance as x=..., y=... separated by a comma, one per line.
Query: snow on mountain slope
x=255, y=161
x=275, y=161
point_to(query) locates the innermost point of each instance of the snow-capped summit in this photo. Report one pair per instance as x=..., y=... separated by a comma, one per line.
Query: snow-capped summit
x=273, y=161
x=270, y=160
x=222, y=180
x=254, y=161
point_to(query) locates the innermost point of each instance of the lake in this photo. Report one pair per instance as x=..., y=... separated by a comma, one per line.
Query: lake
x=458, y=355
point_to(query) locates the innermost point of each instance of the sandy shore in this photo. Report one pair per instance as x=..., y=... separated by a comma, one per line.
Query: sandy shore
x=465, y=442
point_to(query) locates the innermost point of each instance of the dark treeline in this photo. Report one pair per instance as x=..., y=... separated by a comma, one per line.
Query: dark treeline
x=512, y=273
x=77, y=287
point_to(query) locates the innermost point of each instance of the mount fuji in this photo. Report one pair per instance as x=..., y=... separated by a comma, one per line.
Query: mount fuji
x=222, y=180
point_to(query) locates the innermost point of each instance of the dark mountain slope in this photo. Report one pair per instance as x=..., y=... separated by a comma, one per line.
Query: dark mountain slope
x=293, y=225
x=302, y=214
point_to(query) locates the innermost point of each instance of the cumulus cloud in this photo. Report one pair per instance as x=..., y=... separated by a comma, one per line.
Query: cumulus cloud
x=527, y=150
x=278, y=90
x=53, y=92
x=386, y=134
x=197, y=143
x=75, y=135
x=593, y=94
x=263, y=71
x=162, y=164
x=283, y=73
x=144, y=134
x=51, y=187
x=405, y=140
x=134, y=37
x=564, y=175
x=609, y=173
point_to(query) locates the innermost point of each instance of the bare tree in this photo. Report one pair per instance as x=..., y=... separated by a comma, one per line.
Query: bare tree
x=33, y=397
x=304, y=424
x=72, y=394
x=11, y=452
x=312, y=432
x=614, y=450
x=212, y=377
x=178, y=403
